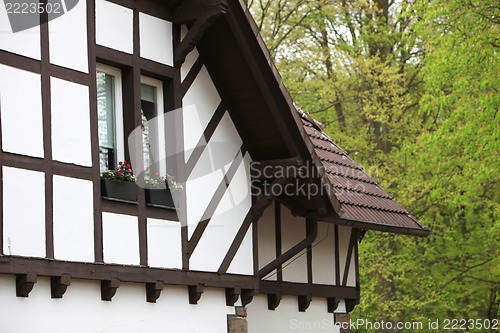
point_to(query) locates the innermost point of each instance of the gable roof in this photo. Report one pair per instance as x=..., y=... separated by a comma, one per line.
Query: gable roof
x=264, y=114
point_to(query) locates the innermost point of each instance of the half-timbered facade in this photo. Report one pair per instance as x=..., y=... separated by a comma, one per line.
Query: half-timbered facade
x=263, y=236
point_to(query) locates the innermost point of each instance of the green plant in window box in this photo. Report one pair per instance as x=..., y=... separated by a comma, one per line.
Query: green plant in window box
x=119, y=184
x=159, y=190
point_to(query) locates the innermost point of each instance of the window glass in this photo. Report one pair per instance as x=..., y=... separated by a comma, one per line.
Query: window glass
x=152, y=127
x=109, y=117
x=106, y=116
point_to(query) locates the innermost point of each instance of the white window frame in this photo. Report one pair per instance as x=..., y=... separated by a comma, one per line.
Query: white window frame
x=160, y=118
x=118, y=104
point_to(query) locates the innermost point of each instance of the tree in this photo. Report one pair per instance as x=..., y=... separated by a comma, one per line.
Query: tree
x=412, y=89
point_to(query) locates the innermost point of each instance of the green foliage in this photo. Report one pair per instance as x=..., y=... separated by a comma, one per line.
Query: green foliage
x=412, y=90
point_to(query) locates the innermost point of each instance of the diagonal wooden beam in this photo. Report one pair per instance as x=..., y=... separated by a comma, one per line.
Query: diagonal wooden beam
x=352, y=244
x=214, y=202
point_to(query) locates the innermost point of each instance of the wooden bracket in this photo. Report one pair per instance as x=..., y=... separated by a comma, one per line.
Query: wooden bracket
x=25, y=283
x=350, y=304
x=247, y=296
x=195, y=293
x=332, y=304
x=232, y=295
x=304, y=302
x=193, y=36
x=108, y=288
x=153, y=291
x=59, y=284
x=273, y=300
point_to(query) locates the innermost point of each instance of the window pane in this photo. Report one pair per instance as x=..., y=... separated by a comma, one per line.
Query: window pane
x=149, y=110
x=106, y=120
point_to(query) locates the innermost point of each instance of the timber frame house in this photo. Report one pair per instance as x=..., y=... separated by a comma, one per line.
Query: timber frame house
x=230, y=243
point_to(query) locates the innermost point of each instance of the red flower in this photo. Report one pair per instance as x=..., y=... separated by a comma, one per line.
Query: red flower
x=124, y=161
x=119, y=174
x=157, y=174
x=129, y=170
x=128, y=165
x=118, y=168
x=120, y=163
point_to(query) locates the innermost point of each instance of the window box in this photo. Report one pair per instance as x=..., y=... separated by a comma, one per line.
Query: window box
x=119, y=190
x=159, y=198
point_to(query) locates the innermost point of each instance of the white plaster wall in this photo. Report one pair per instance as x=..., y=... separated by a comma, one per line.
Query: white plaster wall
x=23, y=212
x=73, y=219
x=68, y=39
x=266, y=238
x=70, y=122
x=164, y=243
x=344, y=237
x=217, y=157
x=243, y=260
x=26, y=43
x=188, y=63
x=287, y=318
x=120, y=235
x=204, y=96
x=82, y=311
x=293, y=231
x=114, y=26
x=21, y=111
x=223, y=227
x=156, y=39
x=323, y=255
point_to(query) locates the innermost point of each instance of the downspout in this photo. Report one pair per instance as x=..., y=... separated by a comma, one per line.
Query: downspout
x=312, y=233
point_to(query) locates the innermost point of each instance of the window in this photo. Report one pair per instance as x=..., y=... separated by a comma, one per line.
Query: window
x=110, y=117
x=153, y=127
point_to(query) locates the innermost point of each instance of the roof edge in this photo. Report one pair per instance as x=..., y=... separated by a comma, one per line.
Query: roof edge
x=424, y=232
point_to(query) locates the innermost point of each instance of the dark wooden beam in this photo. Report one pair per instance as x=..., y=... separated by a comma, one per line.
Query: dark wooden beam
x=293, y=251
x=316, y=290
x=190, y=10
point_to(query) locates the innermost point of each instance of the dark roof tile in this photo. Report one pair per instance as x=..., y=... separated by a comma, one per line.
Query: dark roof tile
x=360, y=196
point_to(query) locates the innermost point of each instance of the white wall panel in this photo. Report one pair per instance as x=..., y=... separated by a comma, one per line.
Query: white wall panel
x=82, y=311
x=73, y=219
x=266, y=235
x=243, y=260
x=293, y=231
x=21, y=111
x=344, y=238
x=156, y=39
x=68, y=39
x=217, y=157
x=120, y=239
x=26, y=43
x=70, y=122
x=204, y=96
x=188, y=63
x=323, y=255
x=114, y=26
x=287, y=318
x=224, y=225
x=23, y=212
x=164, y=244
